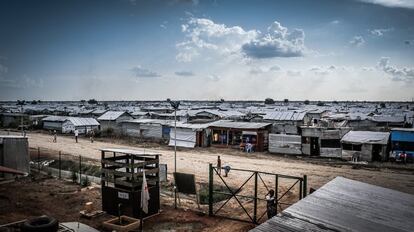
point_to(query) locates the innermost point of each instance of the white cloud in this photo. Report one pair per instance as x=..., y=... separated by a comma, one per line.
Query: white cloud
x=204, y=35
x=164, y=24
x=398, y=74
x=392, y=3
x=278, y=42
x=357, y=41
x=142, y=72
x=380, y=32
x=184, y=73
x=334, y=22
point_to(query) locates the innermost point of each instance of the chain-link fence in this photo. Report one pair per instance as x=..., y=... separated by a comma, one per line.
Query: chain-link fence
x=79, y=169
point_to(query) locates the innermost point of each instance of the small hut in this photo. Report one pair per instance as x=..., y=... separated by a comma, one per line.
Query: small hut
x=366, y=145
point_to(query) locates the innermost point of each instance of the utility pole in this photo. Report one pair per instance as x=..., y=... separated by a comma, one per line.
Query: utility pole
x=175, y=105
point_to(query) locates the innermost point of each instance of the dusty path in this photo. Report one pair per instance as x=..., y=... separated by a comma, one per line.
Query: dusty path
x=196, y=161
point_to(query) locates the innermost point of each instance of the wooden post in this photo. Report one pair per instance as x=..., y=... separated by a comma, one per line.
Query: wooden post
x=210, y=190
x=102, y=167
x=276, y=190
x=80, y=170
x=38, y=159
x=60, y=165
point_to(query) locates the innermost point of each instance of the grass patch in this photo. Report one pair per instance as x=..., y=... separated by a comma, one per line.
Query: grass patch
x=70, y=165
x=217, y=197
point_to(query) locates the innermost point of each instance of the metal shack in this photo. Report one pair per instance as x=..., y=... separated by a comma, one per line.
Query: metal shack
x=367, y=145
x=346, y=205
x=144, y=128
x=237, y=134
x=189, y=135
x=14, y=153
x=322, y=141
x=285, y=144
x=402, y=139
x=113, y=119
x=121, y=181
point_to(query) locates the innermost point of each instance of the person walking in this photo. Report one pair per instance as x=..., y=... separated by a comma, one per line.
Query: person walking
x=92, y=135
x=76, y=135
x=219, y=165
x=270, y=204
x=54, y=136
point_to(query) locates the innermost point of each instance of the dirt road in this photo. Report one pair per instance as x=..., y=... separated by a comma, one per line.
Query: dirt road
x=196, y=161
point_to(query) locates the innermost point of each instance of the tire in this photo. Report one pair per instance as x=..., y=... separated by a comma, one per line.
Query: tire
x=41, y=224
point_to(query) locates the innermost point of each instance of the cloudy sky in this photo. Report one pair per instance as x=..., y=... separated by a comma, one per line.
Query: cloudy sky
x=238, y=50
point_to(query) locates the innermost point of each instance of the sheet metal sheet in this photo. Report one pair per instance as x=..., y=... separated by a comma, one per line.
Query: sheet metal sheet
x=348, y=205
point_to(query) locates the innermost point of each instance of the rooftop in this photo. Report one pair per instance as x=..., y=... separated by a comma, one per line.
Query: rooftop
x=346, y=205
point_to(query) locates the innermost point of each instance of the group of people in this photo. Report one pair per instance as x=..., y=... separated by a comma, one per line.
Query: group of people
x=76, y=132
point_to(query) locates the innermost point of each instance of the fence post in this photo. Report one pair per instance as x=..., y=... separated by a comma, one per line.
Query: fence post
x=300, y=189
x=276, y=190
x=210, y=189
x=255, y=199
x=305, y=185
x=60, y=165
x=38, y=159
x=80, y=169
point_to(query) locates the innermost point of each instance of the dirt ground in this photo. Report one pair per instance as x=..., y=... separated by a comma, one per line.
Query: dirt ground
x=196, y=161
x=63, y=200
x=49, y=194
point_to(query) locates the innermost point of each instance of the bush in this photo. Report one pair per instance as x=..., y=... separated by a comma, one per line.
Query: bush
x=269, y=101
x=74, y=176
x=306, y=102
x=92, y=101
x=109, y=131
x=85, y=182
x=320, y=103
x=286, y=100
x=217, y=197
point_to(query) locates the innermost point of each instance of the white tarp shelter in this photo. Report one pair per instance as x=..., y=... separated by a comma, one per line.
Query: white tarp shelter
x=186, y=137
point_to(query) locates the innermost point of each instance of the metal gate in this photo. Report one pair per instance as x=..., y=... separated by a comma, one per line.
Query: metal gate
x=253, y=215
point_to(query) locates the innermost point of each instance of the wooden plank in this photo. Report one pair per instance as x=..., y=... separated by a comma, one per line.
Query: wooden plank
x=142, y=164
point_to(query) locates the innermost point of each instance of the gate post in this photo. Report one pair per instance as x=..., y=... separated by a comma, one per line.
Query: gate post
x=38, y=159
x=60, y=165
x=305, y=185
x=210, y=189
x=255, y=199
x=80, y=170
x=300, y=189
x=276, y=190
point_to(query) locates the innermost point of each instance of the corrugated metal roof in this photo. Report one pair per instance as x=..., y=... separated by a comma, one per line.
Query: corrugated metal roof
x=111, y=115
x=55, y=118
x=346, y=205
x=370, y=137
x=284, y=116
x=239, y=125
x=77, y=121
x=388, y=118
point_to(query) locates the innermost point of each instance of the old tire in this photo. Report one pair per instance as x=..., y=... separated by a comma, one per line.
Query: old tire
x=41, y=224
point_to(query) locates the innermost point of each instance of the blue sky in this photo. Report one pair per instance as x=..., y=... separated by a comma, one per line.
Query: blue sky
x=239, y=50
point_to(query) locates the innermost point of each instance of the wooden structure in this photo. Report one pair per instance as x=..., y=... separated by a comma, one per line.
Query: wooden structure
x=237, y=134
x=121, y=181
